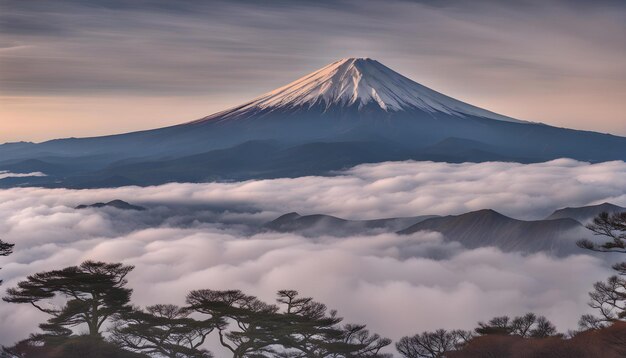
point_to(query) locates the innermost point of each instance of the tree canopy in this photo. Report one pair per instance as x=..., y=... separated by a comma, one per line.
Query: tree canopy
x=164, y=331
x=93, y=291
x=249, y=327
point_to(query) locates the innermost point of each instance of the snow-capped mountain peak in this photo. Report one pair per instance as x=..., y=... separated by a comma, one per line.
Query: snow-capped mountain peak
x=359, y=83
x=345, y=82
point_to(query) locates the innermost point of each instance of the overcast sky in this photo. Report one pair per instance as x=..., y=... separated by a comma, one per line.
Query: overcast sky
x=87, y=67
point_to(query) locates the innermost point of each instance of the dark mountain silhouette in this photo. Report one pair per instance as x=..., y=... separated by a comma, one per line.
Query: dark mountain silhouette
x=489, y=228
x=118, y=204
x=313, y=225
x=585, y=214
x=350, y=112
x=482, y=228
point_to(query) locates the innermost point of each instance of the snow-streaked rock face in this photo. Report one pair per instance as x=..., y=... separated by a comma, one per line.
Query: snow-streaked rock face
x=360, y=82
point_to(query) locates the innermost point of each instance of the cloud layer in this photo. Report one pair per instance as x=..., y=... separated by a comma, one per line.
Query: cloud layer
x=202, y=236
x=369, y=191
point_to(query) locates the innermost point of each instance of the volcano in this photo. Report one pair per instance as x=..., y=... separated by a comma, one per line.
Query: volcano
x=349, y=112
x=351, y=86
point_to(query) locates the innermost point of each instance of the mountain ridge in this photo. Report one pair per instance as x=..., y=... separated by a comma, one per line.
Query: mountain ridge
x=473, y=229
x=358, y=82
x=586, y=213
x=488, y=227
x=117, y=204
x=351, y=112
x=320, y=224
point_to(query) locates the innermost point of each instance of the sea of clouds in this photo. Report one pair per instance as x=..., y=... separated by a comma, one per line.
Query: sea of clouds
x=206, y=236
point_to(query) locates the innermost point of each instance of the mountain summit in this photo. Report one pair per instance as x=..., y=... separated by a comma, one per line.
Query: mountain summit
x=361, y=84
x=350, y=112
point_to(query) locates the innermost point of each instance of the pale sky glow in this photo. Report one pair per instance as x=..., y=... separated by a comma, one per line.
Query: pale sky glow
x=86, y=67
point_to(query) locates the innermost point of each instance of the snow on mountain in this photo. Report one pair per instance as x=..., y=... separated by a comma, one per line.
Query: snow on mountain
x=359, y=82
x=351, y=112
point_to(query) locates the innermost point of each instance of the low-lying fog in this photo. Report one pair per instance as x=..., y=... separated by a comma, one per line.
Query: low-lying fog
x=204, y=236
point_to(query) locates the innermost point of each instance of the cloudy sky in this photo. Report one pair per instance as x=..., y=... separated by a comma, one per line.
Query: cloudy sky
x=203, y=236
x=87, y=67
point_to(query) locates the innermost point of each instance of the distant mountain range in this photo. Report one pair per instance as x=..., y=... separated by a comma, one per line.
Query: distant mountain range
x=350, y=112
x=490, y=228
x=117, y=204
x=586, y=213
x=316, y=225
x=557, y=234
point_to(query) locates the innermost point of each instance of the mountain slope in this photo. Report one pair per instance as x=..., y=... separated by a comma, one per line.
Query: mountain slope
x=117, y=204
x=357, y=108
x=482, y=228
x=490, y=228
x=318, y=224
x=358, y=83
x=253, y=159
x=585, y=213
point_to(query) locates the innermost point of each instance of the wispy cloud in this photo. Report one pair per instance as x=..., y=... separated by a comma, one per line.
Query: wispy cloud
x=6, y=174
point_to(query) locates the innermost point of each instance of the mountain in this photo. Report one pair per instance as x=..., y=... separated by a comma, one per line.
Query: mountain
x=253, y=159
x=318, y=224
x=352, y=111
x=585, y=214
x=118, y=204
x=482, y=228
x=489, y=228
x=354, y=85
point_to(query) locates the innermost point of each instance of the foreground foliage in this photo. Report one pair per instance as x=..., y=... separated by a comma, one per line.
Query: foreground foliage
x=94, y=292
x=607, y=342
x=608, y=297
x=70, y=347
x=94, y=295
x=162, y=330
x=532, y=336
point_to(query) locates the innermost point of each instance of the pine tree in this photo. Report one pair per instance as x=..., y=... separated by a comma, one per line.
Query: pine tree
x=94, y=293
x=608, y=297
x=163, y=331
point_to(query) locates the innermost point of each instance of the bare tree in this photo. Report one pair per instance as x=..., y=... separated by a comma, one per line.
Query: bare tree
x=433, y=344
x=522, y=325
x=543, y=328
x=608, y=297
x=497, y=325
x=611, y=226
x=528, y=325
x=587, y=322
